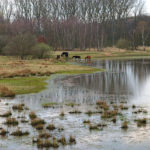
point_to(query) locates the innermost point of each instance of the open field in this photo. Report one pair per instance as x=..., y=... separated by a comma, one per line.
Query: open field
x=110, y=53
x=28, y=76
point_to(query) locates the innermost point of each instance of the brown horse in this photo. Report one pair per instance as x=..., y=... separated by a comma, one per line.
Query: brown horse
x=87, y=58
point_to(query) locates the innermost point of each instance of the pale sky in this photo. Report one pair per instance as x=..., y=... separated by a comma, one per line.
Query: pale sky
x=147, y=6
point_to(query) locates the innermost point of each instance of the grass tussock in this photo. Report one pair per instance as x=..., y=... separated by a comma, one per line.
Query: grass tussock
x=11, y=121
x=141, y=122
x=19, y=107
x=124, y=125
x=123, y=107
x=7, y=114
x=49, y=105
x=39, y=127
x=102, y=105
x=62, y=140
x=37, y=121
x=75, y=112
x=51, y=127
x=72, y=140
x=6, y=92
x=109, y=114
x=47, y=143
x=44, y=135
x=18, y=132
x=32, y=115
x=86, y=121
x=3, y=132
x=62, y=114
x=93, y=127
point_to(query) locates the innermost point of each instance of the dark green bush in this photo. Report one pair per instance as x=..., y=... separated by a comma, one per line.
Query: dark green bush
x=123, y=44
x=41, y=50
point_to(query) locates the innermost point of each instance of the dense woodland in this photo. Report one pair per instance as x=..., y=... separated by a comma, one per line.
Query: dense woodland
x=73, y=24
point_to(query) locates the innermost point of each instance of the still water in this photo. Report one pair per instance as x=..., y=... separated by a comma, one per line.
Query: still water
x=123, y=80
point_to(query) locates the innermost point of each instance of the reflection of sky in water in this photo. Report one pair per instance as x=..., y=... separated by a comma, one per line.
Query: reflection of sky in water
x=122, y=80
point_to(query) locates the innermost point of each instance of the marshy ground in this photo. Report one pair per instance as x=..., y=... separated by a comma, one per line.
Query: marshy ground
x=104, y=110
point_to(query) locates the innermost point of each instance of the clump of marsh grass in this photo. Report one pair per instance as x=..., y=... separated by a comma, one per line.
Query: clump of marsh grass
x=124, y=125
x=141, y=122
x=32, y=115
x=51, y=127
x=24, y=121
x=39, y=127
x=19, y=107
x=72, y=140
x=75, y=112
x=133, y=106
x=44, y=135
x=109, y=114
x=49, y=105
x=114, y=119
x=93, y=127
x=7, y=114
x=62, y=140
x=18, y=132
x=43, y=143
x=62, y=114
x=3, y=132
x=102, y=105
x=11, y=121
x=86, y=121
x=37, y=121
x=122, y=107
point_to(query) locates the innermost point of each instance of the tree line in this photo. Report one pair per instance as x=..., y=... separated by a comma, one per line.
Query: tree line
x=76, y=24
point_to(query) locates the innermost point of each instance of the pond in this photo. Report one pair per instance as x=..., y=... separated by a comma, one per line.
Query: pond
x=124, y=81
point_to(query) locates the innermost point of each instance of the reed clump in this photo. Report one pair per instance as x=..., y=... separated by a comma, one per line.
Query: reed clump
x=37, y=121
x=51, y=127
x=32, y=115
x=72, y=140
x=18, y=132
x=7, y=114
x=19, y=107
x=124, y=125
x=141, y=122
x=62, y=140
x=11, y=121
x=3, y=132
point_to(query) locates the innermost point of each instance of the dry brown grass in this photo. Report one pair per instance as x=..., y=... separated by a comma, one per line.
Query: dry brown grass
x=6, y=92
x=13, y=67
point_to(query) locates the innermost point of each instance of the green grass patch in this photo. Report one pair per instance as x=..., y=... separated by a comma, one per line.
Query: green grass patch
x=25, y=85
x=74, y=72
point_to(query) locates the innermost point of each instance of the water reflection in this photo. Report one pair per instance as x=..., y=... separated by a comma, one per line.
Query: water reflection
x=123, y=79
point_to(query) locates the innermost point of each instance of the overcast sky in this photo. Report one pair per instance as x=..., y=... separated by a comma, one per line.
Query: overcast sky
x=147, y=6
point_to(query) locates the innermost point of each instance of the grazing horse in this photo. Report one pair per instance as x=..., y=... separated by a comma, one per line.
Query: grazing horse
x=76, y=57
x=58, y=57
x=65, y=54
x=87, y=58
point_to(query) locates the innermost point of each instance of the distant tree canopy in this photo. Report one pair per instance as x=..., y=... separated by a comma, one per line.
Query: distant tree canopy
x=70, y=24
